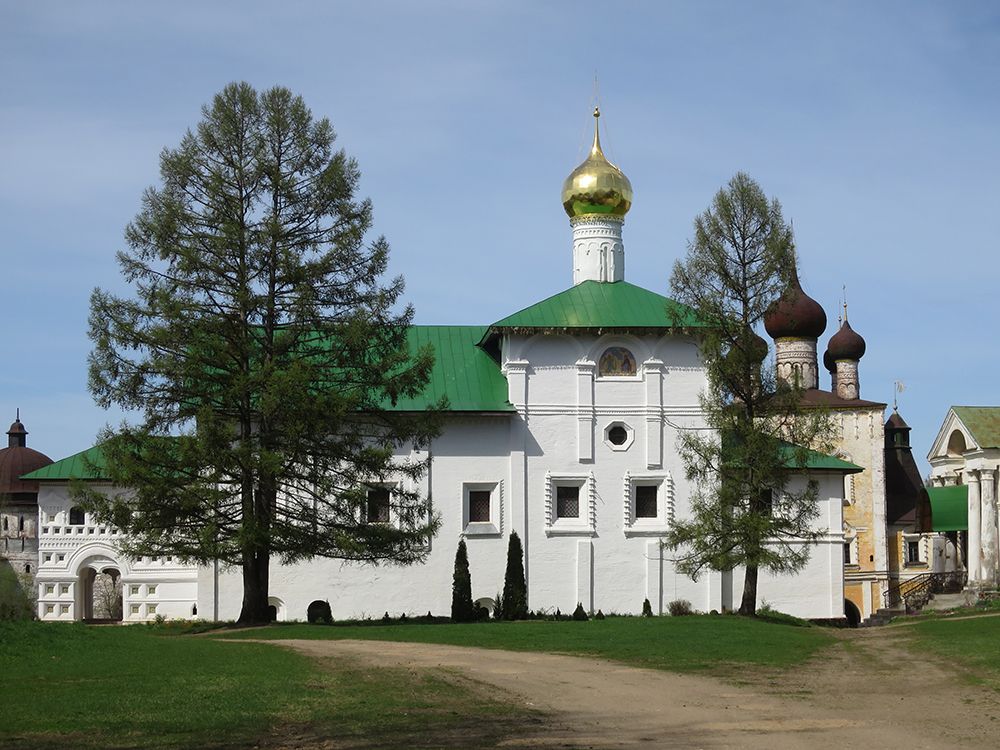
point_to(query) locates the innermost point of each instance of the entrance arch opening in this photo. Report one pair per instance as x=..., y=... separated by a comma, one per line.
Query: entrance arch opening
x=101, y=594
x=852, y=613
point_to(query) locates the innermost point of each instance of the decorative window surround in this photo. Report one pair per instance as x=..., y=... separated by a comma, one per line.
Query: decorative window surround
x=629, y=436
x=493, y=527
x=664, y=503
x=586, y=523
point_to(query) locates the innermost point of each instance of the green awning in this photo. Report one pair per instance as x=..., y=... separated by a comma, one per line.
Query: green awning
x=949, y=508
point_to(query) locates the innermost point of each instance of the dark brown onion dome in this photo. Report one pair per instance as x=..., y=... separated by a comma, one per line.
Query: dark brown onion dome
x=829, y=363
x=846, y=344
x=18, y=459
x=795, y=314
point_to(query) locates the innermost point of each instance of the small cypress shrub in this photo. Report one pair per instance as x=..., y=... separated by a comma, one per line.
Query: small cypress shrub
x=515, y=590
x=599, y=615
x=498, y=607
x=462, y=607
x=580, y=613
x=647, y=608
x=386, y=619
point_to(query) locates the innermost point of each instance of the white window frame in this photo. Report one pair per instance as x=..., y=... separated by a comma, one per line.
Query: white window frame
x=921, y=560
x=851, y=545
x=493, y=527
x=659, y=525
x=393, y=487
x=583, y=525
x=628, y=440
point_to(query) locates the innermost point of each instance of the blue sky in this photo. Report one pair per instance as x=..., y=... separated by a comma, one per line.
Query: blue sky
x=874, y=124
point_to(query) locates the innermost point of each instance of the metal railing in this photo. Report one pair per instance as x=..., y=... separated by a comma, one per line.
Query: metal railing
x=914, y=593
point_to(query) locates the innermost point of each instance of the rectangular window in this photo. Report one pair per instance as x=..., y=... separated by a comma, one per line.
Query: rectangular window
x=133, y=591
x=150, y=609
x=64, y=588
x=134, y=609
x=378, y=505
x=913, y=552
x=50, y=608
x=50, y=588
x=151, y=590
x=479, y=506
x=567, y=501
x=645, y=501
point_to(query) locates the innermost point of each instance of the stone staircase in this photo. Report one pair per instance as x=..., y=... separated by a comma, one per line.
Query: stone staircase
x=881, y=617
x=931, y=591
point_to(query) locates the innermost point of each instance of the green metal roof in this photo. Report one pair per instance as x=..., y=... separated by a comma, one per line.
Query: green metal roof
x=816, y=461
x=949, y=507
x=74, y=467
x=462, y=371
x=601, y=305
x=983, y=422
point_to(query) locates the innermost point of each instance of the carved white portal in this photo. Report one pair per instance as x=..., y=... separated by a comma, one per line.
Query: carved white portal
x=598, y=252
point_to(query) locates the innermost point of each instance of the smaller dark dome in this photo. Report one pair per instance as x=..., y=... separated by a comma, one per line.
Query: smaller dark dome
x=829, y=363
x=758, y=347
x=846, y=344
x=795, y=314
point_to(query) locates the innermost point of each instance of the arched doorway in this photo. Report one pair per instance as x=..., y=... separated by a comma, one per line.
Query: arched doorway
x=852, y=613
x=275, y=609
x=100, y=597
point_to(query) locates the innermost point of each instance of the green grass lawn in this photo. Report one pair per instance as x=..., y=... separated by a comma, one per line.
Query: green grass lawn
x=971, y=644
x=683, y=644
x=69, y=685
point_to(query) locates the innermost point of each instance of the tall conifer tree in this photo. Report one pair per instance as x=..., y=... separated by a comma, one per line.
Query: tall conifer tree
x=462, y=607
x=514, y=603
x=743, y=512
x=261, y=347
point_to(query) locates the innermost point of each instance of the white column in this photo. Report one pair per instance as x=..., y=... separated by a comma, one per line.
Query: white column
x=598, y=252
x=988, y=530
x=975, y=511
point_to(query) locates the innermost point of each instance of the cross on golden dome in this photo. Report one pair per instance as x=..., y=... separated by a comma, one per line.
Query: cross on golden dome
x=597, y=186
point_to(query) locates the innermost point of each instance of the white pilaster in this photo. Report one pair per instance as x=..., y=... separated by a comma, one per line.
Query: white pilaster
x=585, y=574
x=654, y=576
x=988, y=531
x=975, y=529
x=585, y=418
x=795, y=362
x=598, y=252
x=653, y=375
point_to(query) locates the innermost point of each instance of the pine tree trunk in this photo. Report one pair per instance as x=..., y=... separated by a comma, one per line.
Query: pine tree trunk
x=748, y=606
x=255, y=576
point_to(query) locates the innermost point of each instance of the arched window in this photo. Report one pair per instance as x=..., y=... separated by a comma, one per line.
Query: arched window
x=20, y=523
x=5, y=523
x=616, y=361
x=956, y=444
x=27, y=568
x=76, y=516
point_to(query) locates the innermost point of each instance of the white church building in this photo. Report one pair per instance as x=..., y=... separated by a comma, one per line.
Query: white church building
x=563, y=426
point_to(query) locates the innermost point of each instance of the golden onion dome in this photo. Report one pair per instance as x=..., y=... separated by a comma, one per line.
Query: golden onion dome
x=597, y=186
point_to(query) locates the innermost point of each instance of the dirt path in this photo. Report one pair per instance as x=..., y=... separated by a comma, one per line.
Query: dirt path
x=865, y=691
